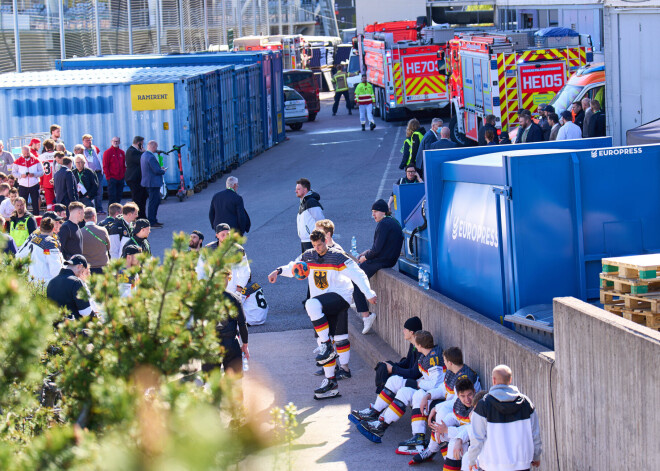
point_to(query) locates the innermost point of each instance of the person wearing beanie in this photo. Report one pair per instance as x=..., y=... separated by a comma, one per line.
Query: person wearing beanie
x=384, y=253
x=406, y=367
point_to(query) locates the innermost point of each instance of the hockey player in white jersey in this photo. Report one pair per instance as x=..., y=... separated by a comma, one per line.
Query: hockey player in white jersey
x=331, y=277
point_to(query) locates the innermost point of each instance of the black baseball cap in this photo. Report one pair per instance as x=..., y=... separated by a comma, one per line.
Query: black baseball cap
x=53, y=216
x=59, y=207
x=77, y=260
x=223, y=226
x=141, y=224
x=198, y=234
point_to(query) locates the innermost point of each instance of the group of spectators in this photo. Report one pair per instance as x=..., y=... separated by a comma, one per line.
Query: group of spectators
x=63, y=177
x=585, y=119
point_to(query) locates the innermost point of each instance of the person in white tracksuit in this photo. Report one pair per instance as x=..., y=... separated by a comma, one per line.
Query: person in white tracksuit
x=365, y=99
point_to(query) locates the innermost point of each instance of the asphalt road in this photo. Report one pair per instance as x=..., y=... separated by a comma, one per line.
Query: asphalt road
x=349, y=168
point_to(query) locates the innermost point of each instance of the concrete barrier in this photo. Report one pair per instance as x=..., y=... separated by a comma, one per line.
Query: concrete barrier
x=609, y=378
x=485, y=343
x=596, y=403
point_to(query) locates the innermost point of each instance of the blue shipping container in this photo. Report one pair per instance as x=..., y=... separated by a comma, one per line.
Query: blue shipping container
x=156, y=103
x=513, y=229
x=272, y=100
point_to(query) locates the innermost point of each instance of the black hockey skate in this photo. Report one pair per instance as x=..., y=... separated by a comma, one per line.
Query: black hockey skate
x=328, y=389
x=327, y=354
x=413, y=445
x=369, y=414
x=341, y=373
x=422, y=457
x=374, y=430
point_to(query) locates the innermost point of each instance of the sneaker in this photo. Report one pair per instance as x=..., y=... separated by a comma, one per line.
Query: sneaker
x=327, y=354
x=368, y=322
x=372, y=126
x=329, y=388
x=369, y=414
x=363, y=127
x=421, y=457
x=375, y=427
x=342, y=374
x=157, y=225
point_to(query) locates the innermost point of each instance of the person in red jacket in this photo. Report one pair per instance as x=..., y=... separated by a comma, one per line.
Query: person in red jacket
x=34, y=147
x=47, y=160
x=114, y=168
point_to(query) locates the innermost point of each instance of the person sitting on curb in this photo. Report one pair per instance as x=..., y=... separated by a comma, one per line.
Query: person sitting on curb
x=384, y=253
x=406, y=367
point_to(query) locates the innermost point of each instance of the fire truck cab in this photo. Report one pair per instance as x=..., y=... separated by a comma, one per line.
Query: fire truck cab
x=490, y=74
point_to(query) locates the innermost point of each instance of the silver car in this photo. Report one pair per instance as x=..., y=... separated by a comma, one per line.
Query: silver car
x=295, y=109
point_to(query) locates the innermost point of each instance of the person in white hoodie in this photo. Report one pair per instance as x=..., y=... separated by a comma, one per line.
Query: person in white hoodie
x=45, y=257
x=505, y=434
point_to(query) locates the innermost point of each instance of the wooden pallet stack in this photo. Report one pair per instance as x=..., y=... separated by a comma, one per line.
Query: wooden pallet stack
x=630, y=287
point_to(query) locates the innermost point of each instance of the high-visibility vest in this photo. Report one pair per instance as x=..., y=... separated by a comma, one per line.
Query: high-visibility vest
x=410, y=145
x=19, y=231
x=364, y=94
x=341, y=84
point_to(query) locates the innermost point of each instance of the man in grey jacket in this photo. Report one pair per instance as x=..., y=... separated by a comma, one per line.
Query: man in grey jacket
x=152, y=180
x=505, y=433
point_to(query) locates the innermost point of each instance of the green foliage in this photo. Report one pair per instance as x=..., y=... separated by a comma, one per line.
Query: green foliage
x=124, y=404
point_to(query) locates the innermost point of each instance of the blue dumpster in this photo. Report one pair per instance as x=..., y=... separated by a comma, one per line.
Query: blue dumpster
x=270, y=62
x=516, y=228
x=156, y=103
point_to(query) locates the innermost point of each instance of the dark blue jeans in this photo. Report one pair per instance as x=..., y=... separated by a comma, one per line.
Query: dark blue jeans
x=115, y=190
x=98, y=201
x=152, y=206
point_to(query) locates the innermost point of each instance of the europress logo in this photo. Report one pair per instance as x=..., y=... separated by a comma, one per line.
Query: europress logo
x=464, y=229
x=617, y=151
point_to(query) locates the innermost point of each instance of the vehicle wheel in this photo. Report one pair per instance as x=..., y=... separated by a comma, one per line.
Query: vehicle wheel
x=311, y=117
x=458, y=137
x=296, y=126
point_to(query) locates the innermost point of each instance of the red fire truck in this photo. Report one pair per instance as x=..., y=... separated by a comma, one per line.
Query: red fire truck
x=490, y=74
x=403, y=71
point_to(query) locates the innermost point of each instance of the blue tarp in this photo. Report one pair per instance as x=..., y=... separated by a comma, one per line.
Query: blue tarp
x=556, y=32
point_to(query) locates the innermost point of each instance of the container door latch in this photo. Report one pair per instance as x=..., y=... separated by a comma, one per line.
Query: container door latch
x=503, y=191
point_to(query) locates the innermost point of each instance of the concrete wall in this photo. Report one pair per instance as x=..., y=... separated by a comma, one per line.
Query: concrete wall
x=485, y=343
x=608, y=375
x=601, y=393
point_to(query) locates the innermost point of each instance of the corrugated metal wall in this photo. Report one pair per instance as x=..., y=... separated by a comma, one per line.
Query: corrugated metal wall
x=122, y=27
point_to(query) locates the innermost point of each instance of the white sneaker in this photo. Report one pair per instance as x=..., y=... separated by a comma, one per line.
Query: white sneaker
x=368, y=322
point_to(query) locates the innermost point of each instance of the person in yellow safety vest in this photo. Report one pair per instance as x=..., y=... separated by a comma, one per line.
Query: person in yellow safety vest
x=21, y=224
x=414, y=135
x=365, y=98
x=341, y=88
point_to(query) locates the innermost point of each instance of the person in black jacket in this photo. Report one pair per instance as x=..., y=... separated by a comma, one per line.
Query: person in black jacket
x=406, y=367
x=528, y=131
x=87, y=178
x=227, y=331
x=597, y=126
x=444, y=142
x=133, y=176
x=489, y=125
x=579, y=114
x=65, y=185
x=70, y=235
x=227, y=207
x=384, y=253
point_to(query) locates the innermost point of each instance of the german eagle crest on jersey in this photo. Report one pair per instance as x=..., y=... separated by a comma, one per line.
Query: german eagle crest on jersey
x=321, y=279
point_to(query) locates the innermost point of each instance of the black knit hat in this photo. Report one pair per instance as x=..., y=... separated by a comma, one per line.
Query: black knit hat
x=140, y=224
x=413, y=324
x=380, y=205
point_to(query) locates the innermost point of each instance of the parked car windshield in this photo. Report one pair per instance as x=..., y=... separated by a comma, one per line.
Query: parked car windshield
x=292, y=95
